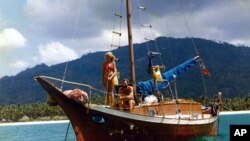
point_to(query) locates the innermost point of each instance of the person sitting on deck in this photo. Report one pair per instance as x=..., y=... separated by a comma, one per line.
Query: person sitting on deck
x=126, y=96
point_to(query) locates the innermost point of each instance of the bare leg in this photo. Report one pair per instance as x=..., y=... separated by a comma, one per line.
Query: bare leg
x=131, y=105
x=112, y=99
x=110, y=94
x=120, y=102
x=106, y=93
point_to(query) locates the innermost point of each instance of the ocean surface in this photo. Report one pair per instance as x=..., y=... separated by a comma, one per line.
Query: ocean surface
x=57, y=130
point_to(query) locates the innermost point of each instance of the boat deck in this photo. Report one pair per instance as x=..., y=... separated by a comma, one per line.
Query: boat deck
x=183, y=109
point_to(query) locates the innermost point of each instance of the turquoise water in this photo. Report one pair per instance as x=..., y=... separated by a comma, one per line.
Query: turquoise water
x=37, y=132
x=57, y=131
x=224, y=124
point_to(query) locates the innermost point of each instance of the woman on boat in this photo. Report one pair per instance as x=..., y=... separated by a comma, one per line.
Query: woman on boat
x=109, y=77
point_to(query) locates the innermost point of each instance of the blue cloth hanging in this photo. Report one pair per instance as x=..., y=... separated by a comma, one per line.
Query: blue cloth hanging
x=149, y=87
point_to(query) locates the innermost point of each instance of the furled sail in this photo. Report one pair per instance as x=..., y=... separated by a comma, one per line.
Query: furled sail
x=149, y=87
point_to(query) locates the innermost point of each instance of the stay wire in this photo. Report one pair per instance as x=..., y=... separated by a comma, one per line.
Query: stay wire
x=67, y=131
x=157, y=48
x=112, y=38
x=120, y=26
x=72, y=40
x=66, y=66
x=196, y=50
x=187, y=26
x=151, y=31
x=140, y=18
x=154, y=37
x=121, y=12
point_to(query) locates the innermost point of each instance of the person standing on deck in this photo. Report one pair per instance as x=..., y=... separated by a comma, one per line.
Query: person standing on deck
x=109, y=77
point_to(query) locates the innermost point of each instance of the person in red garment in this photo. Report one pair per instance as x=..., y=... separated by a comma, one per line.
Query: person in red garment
x=109, y=77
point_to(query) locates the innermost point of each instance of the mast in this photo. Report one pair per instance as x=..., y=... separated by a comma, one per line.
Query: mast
x=130, y=41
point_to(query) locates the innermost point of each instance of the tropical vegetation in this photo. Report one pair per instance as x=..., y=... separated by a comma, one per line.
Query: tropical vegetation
x=42, y=111
x=30, y=112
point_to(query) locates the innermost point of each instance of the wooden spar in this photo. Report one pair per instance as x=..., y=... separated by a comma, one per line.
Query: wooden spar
x=130, y=41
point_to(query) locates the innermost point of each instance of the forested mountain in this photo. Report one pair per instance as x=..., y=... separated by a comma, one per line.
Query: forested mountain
x=228, y=64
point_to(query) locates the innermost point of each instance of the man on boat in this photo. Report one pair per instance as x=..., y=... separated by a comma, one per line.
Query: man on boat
x=126, y=96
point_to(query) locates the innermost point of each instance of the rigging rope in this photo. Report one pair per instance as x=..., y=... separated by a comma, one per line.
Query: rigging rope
x=120, y=22
x=74, y=83
x=66, y=66
x=67, y=131
x=152, y=36
x=188, y=28
x=72, y=40
x=140, y=18
x=196, y=50
x=114, y=32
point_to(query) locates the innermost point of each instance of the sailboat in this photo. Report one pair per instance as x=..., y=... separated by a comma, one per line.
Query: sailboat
x=177, y=119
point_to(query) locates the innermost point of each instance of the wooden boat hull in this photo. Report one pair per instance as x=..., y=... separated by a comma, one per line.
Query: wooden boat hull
x=99, y=123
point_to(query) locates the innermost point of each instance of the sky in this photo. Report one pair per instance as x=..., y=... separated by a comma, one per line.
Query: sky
x=54, y=31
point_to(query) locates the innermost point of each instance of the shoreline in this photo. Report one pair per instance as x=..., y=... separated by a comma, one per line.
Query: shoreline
x=234, y=112
x=33, y=122
x=66, y=121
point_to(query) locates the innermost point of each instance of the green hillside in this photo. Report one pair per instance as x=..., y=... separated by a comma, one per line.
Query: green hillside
x=228, y=65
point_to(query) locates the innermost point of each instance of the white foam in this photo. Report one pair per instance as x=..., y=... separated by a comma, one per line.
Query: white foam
x=33, y=123
x=234, y=112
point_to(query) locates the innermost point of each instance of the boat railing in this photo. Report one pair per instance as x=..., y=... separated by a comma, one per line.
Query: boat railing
x=84, y=87
x=65, y=81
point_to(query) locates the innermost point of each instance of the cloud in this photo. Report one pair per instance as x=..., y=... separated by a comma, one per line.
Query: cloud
x=35, y=59
x=20, y=64
x=104, y=41
x=221, y=20
x=77, y=19
x=64, y=19
x=56, y=52
x=11, y=38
